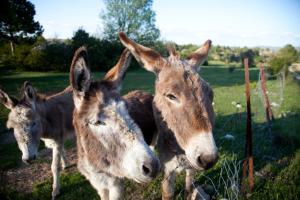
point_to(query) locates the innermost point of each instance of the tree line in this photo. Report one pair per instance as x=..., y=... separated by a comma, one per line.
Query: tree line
x=56, y=54
x=23, y=47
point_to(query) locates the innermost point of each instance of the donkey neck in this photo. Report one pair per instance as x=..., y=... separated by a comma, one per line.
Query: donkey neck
x=53, y=111
x=43, y=112
x=166, y=136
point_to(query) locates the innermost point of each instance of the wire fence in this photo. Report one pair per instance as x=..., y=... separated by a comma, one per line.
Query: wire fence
x=275, y=92
x=227, y=185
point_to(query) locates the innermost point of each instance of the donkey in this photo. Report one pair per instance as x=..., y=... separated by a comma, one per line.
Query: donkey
x=38, y=117
x=183, y=113
x=110, y=144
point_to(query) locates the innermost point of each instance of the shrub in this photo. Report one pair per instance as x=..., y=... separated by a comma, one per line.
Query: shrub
x=250, y=54
x=283, y=58
x=58, y=55
x=35, y=60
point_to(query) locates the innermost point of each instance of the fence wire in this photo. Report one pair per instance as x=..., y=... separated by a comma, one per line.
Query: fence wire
x=228, y=184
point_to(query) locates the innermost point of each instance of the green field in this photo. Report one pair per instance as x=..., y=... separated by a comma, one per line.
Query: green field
x=276, y=156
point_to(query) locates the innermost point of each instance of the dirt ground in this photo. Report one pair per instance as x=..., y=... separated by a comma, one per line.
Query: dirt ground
x=23, y=177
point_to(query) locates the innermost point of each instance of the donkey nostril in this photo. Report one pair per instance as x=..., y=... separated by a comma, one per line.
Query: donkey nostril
x=146, y=170
x=199, y=160
x=34, y=157
x=207, y=162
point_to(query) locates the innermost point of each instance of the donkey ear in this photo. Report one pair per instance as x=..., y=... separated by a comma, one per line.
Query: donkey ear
x=7, y=101
x=150, y=59
x=29, y=92
x=198, y=57
x=80, y=76
x=116, y=74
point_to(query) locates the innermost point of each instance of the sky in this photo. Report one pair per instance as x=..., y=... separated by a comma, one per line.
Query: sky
x=250, y=23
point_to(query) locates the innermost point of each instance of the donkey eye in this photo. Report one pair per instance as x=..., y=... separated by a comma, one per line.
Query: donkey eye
x=99, y=123
x=171, y=96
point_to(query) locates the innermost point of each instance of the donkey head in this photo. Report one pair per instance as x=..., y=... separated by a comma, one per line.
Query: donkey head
x=183, y=101
x=25, y=120
x=110, y=140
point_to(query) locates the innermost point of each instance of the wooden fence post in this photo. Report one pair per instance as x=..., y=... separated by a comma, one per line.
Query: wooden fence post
x=268, y=109
x=248, y=147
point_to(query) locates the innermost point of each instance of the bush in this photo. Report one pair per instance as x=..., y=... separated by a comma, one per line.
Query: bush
x=250, y=54
x=34, y=61
x=283, y=58
x=58, y=55
x=103, y=54
x=52, y=55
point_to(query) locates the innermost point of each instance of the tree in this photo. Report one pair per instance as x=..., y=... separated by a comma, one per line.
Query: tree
x=17, y=21
x=134, y=17
x=102, y=54
x=250, y=54
x=283, y=58
x=80, y=38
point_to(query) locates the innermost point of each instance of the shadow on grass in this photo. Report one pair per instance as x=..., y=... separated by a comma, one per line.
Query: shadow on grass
x=219, y=76
x=51, y=82
x=268, y=153
x=73, y=186
x=44, y=83
x=273, y=160
x=275, y=156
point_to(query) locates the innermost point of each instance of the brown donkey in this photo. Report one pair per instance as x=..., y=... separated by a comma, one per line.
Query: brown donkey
x=183, y=112
x=38, y=117
x=110, y=144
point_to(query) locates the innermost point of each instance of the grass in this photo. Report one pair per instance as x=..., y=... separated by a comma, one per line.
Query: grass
x=276, y=157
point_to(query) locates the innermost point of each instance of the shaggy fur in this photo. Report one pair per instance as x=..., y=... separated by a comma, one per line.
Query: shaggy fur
x=36, y=116
x=183, y=112
x=110, y=144
x=139, y=106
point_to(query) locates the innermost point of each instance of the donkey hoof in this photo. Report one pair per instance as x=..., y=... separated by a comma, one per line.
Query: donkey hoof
x=54, y=196
x=63, y=167
x=55, y=193
x=199, y=194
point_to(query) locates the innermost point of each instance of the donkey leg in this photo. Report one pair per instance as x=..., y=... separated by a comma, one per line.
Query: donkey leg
x=116, y=193
x=63, y=159
x=168, y=185
x=98, y=181
x=55, y=167
x=104, y=194
x=116, y=189
x=189, y=177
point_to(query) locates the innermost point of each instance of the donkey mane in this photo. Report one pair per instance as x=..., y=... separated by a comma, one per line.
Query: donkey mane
x=42, y=98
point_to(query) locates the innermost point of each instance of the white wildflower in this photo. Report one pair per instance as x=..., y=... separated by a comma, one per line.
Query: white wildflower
x=274, y=104
x=229, y=137
x=238, y=105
